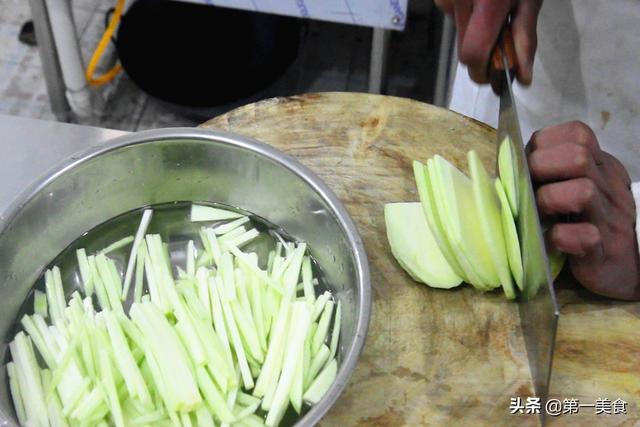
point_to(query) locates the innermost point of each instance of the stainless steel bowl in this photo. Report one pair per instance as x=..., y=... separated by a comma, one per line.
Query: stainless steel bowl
x=167, y=165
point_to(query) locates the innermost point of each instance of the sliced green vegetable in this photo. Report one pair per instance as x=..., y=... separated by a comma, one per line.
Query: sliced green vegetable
x=297, y=385
x=110, y=389
x=300, y=321
x=245, y=322
x=16, y=395
x=321, y=384
x=507, y=170
x=490, y=222
x=292, y=272
x=211, y=244
x=29, y=381
x=201, y=213
x=191, y=258
x=251, y=421
x=236, y=232
x=307, y=281
x=514, y=254
x=242, y=413
x=125, y=361
x=273, y=361
x=241, y=239
x=55, y=296
x=141, y=257
x=185, y=354
x=151, y=418
x=219, y=320
x=423, y=176
x=90, y=404
x=236, y=340
x=232, y=225
x=227, y=273
x=457, y=209
x=414, y=246
x=38, y=339
x=117, y=245
x=318, y=307
x=317, y=363
x=557, y=260
x=54, y=407
x=85, y=271
x=215, y=400
x=323, y=327
x=204, y=418
x=245, y=260
x=111, y=281
x=173, y=363
x=185, y=418
x=135, y=248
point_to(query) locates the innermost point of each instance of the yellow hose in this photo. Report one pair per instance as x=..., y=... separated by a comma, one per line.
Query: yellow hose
x=102, y=45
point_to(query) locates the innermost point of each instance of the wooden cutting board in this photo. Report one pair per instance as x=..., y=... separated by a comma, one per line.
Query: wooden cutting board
x=436, y=357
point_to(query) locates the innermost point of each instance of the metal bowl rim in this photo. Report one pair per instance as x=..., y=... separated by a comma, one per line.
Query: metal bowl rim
x=310, y=178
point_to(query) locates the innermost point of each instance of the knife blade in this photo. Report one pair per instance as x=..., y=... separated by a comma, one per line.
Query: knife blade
x=537, y=303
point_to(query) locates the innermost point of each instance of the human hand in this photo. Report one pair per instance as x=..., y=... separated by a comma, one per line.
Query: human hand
x=578, y=180
x=479, y=23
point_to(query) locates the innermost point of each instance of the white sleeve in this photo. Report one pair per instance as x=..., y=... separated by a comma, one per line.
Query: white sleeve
x=635, y=190
x=472, y=100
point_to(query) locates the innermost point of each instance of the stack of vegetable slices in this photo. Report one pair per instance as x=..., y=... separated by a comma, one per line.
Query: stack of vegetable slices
x=464, y=228
x=218, y=342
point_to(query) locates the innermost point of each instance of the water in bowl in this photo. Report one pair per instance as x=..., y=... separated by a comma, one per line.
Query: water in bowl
x=172, y=222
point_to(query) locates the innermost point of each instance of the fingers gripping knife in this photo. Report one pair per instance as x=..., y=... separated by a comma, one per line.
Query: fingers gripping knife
x=537, y=302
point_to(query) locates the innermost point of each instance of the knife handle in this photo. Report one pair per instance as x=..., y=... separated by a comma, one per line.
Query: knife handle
x=504, y=47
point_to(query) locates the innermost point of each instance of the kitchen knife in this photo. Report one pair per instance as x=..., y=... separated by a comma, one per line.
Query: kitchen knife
x=537, y=303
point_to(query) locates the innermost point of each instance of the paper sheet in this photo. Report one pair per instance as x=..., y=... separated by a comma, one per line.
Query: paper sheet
x=390, y=14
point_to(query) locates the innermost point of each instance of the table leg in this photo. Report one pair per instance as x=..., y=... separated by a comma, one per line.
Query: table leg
x=50, y=62
x=446, y=63
x=378, y=64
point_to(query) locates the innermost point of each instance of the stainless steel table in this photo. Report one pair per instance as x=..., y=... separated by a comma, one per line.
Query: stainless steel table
x=30, y=148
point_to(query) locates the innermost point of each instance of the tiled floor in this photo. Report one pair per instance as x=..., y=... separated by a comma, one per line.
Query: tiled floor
x=411, y=67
